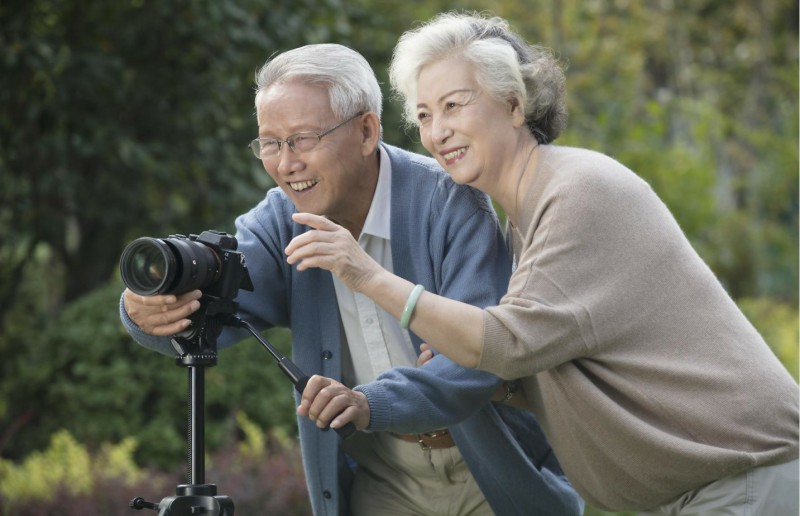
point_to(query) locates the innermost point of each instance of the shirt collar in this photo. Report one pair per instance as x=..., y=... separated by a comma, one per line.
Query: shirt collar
x=378, y=218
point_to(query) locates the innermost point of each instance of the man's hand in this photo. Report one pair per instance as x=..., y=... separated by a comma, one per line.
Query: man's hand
x=162, y=316
x=327, y=401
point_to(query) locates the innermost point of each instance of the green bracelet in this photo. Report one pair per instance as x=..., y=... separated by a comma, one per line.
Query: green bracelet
x=405, y=320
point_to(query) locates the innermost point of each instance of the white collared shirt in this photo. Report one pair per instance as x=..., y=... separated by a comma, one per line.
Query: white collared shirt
x=375, y=340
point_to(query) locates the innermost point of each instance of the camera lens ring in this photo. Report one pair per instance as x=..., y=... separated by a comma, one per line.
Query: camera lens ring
x=197, y=265
x=148, y=266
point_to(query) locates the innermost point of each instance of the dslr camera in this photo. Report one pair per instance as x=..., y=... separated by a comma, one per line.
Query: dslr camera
x=179, y=264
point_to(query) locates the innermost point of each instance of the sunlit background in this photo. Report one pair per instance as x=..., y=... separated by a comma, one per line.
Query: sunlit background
x=130, y=118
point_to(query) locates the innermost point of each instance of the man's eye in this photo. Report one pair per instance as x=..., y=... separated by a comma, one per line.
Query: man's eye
x=450, y=105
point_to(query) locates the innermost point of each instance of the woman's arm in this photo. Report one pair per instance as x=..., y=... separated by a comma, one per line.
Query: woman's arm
x=453, y=328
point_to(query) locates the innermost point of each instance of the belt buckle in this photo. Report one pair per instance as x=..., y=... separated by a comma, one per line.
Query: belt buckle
x=432, y=435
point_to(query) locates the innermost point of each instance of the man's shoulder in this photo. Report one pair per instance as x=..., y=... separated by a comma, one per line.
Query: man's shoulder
x=421, y=181
x=402, y=158
x=275, y=209
x=416, y=172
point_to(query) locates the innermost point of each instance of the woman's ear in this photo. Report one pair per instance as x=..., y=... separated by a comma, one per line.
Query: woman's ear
x=370, y=130
x=517, y=112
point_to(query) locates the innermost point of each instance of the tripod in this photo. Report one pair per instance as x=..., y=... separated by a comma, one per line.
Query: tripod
x=196, y=352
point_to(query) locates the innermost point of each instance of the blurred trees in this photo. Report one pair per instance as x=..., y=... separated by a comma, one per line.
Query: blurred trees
x=123, y=119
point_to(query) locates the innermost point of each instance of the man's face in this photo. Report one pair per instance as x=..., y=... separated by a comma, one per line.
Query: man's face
x=329, y=179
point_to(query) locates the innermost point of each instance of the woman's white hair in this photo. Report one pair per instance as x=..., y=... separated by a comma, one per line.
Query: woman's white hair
x=507, y=68
x=352, y=85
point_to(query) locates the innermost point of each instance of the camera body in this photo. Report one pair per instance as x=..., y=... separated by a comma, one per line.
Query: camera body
x=178, y=264
x=232, y=269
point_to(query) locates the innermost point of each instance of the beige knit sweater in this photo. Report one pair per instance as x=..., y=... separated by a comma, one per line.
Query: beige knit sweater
x=644, y=374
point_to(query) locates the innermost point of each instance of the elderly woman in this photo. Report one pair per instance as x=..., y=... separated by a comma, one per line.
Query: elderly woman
x=655, y=391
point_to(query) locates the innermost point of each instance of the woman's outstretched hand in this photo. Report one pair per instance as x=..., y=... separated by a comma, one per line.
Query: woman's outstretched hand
x=331, y=247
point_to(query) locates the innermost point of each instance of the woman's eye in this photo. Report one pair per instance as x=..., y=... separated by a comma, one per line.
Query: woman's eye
x=450, y=105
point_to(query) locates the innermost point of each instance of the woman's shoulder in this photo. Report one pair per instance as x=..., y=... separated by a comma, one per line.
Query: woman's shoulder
x=582, y=169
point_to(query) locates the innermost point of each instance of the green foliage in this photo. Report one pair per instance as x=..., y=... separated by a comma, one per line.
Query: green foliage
x=112, y=102
x=779, y=324
x=68, y=479
x=64, y=463
x=92, y=379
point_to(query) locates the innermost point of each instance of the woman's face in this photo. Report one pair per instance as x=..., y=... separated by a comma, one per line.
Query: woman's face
x=472, y=135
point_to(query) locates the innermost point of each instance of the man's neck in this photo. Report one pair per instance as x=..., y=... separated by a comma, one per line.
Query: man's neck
x=363, y=198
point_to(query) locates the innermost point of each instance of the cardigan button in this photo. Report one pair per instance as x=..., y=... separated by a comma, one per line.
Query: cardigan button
x=327, y=355
x=326, y=494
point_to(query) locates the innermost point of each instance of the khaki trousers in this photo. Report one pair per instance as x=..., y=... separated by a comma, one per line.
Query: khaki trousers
x=399, y=478
x=767, y=491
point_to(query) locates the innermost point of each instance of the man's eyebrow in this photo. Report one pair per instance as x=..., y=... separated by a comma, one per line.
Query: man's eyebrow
x=451, y=92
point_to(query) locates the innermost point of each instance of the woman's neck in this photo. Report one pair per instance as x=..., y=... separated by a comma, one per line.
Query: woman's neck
x=516, y=180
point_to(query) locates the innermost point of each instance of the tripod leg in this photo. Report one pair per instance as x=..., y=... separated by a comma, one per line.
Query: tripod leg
x=196, y=421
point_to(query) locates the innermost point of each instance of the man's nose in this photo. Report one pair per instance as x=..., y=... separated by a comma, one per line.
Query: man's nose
x=288, y=159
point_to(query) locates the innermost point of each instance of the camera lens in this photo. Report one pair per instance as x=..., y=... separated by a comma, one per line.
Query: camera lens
x=145, y=264
x=151, y=266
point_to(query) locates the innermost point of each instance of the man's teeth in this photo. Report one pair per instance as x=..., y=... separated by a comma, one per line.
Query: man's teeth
x=454, y=154
x=299, y=186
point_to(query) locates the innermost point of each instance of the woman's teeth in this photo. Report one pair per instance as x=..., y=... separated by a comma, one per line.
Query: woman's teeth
x=454, y=154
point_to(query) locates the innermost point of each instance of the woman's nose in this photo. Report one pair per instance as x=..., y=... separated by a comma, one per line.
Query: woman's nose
x=440, y=130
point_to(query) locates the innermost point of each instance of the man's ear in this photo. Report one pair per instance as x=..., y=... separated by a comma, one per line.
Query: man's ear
x=370, y=131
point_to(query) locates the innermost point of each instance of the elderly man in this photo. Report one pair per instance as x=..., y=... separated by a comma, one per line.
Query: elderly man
x=318, y=109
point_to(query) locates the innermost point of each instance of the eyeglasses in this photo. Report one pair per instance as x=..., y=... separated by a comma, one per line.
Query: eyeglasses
x=299, y=142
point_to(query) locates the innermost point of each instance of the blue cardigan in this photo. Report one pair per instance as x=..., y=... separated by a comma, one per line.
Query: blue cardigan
x=447, y=238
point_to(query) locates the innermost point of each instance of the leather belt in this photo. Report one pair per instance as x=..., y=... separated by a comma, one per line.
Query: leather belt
x=435, y=440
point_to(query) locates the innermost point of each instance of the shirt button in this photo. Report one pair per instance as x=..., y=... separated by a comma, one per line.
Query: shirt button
x=326, y=494
x=369, y=320
x=327, y=355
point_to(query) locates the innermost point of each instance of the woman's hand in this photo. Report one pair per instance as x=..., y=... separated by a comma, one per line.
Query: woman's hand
x=454, y=328
x=425, y=354
x=328, y=402
x=162, y=316
x=331, y=247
